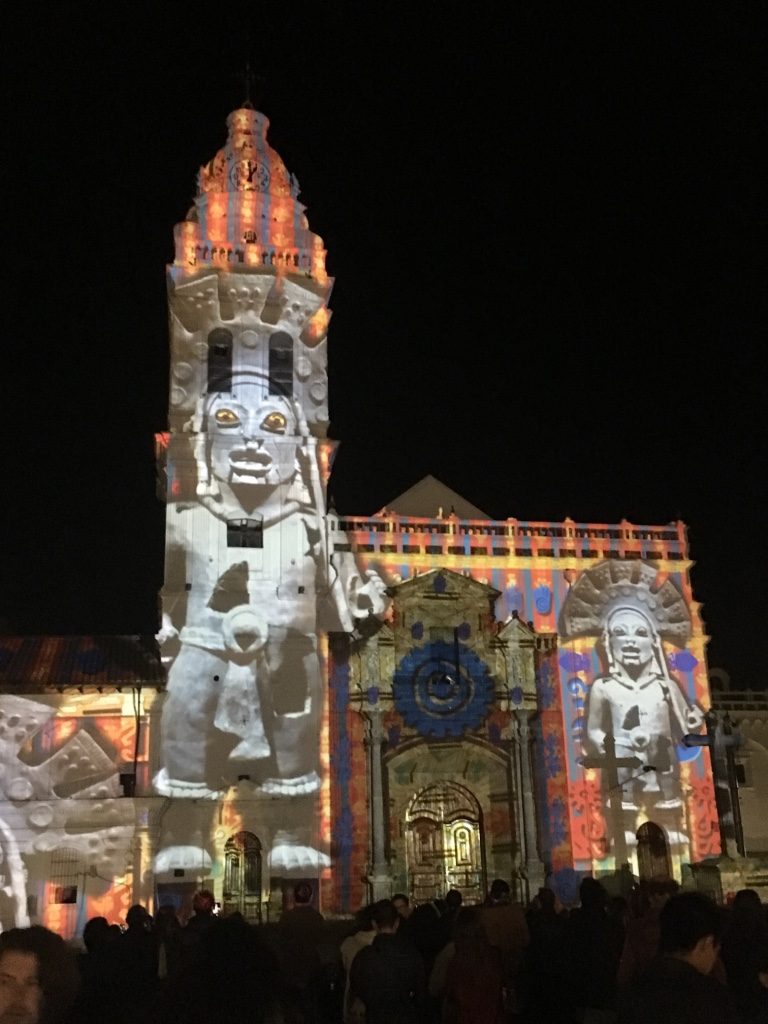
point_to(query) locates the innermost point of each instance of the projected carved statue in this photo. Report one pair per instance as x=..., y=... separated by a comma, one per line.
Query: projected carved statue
x=94, y=822
x=255, y=565
x=636, y=700
x=253, y=574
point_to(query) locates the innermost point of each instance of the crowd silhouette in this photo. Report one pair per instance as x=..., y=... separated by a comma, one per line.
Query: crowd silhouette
x=658, y=956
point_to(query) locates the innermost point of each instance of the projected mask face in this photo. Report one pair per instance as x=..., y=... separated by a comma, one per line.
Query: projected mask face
x=252, y=439
x=631, y=639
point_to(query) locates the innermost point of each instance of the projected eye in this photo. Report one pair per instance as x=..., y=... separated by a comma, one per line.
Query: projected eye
x=227, y=418
x=275, y=423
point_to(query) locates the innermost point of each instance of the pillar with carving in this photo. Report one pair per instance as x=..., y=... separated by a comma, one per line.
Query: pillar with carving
x=533, y=866
x=379, y=878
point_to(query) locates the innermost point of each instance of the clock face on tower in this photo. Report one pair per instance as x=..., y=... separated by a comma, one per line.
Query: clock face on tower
x=250, y=175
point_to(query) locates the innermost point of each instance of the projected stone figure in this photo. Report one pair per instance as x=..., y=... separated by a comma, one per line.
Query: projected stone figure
x=255, y=570
x=636, y=700
x=245, y=691
x=94, y=821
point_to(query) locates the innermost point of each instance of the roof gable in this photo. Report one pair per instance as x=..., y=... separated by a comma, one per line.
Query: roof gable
x=443, y=584
x=432, y=499
x=515, y=629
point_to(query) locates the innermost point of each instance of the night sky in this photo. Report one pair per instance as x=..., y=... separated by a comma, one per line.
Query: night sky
x=546, y=228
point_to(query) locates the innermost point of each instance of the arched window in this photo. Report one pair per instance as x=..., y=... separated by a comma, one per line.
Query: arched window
x=281, y=364
x=242, y=876
x=652, y=852
x=220, y=360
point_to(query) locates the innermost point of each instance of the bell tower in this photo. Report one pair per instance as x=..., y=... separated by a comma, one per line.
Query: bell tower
x=248, y=286
x=252, y=577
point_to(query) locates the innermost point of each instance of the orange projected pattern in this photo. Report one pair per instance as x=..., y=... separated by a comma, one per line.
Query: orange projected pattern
x=113, y=904
x=248, y=214
x=534, y=565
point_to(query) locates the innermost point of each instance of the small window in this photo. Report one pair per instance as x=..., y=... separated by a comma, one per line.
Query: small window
x=456, y=550
x=388, y=549
x=281, y=364
x=500, y=552
x=245, y=533
x=653, y=555
x=342, y=547
x=478, y=551
x=411, y=549
x=365, y=547
x=546, y=553
x=65, y=870
x=523, y=552
x=219, y=360
x=433, y=549
x=590, y=553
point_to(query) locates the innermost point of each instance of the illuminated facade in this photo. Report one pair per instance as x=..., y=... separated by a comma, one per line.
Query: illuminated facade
x=76, y=718
x=416, y=700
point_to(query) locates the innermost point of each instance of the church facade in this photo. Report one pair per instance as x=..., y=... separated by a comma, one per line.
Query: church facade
x=417, y=700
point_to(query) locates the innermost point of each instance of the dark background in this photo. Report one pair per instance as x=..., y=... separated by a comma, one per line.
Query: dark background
x=547, y=227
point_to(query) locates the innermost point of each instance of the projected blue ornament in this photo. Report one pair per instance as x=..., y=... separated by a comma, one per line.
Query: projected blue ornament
x=443, y=690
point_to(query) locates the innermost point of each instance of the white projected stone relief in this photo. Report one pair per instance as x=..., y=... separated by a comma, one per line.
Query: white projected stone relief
x=73, y=798
x=252, y=577
x=636, y=701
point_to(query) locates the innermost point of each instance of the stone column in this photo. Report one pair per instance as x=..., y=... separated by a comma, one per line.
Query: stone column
x=534, y=868
x=379, y=878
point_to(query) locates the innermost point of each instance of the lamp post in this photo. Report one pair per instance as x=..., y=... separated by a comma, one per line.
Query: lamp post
x=722, y=741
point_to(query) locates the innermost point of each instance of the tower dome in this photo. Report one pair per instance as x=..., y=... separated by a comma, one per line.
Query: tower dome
x=247, y=163
x=246, y=212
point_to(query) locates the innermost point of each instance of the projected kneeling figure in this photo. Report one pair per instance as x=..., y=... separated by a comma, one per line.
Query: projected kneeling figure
x=639, y=703
x=249, y=582
x=635, y=699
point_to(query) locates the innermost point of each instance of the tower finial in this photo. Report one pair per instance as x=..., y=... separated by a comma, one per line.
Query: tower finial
x=252, y=80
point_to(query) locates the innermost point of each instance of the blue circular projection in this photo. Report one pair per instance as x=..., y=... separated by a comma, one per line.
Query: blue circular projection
x=442, y=689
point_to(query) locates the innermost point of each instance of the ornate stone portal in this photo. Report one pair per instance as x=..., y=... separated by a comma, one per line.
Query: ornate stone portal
x=449, y=699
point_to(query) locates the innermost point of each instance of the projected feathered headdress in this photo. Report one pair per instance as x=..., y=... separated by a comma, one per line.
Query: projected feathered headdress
x=614, y=584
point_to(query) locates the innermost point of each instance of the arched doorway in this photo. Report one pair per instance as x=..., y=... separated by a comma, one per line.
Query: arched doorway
x=242, y=876
x=652, y=852
x=444, y=843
